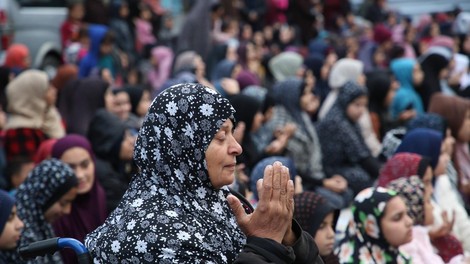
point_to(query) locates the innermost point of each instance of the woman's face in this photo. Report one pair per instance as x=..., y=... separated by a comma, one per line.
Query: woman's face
x=396, y=224
x=144, y=104
x=356, y=108
x=122, y=105
x=11, y=232
x=418, y=75
x=464, y=132
x=325, y=236
x=221, y=156
x=62, y=207
x=82, y=164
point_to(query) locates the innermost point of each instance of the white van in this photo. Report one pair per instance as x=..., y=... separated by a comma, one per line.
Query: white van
x=35, y=23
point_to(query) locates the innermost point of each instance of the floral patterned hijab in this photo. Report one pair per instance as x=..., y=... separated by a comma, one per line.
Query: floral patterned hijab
x=364, y=241
x=171, y=213
x=45, y=185
x=412, y=191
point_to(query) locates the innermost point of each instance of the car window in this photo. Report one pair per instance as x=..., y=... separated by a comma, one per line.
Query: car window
x=42, y=3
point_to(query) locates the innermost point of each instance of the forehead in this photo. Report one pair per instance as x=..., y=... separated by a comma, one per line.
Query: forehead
x=228, y=124
x=394, y=205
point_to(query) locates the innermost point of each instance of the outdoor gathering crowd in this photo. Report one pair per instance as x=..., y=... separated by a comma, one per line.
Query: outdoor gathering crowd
x=245, y=131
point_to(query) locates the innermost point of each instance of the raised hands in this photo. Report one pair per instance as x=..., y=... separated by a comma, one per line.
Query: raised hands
x=273, y=215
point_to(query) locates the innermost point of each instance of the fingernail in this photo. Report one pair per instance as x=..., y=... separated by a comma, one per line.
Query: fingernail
x=291, y=183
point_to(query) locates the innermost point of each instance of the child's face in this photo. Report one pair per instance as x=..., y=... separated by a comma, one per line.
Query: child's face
x=11, y=232
x=144, y=104
x=396, y=224
x=325, y=236
x=146, y=14
x=77, y=12
x=62, y=207
x=124, y=11
x=106, y=48
x=356, y=108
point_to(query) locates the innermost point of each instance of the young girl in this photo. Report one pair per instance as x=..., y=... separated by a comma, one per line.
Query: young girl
x=33, y=116
x=10, y=226
x=318, y=217
x=71, y=26
x=344, y=149
x=418, y=200
x=44, y=197
x=379, y=227
x=145, y=40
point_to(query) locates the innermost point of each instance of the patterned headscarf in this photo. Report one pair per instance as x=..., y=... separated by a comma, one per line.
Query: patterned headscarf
x=45, y=185
x=403, y=165
x=364, y=241
x=310, y=211
x=412, y=191
x=171, y=212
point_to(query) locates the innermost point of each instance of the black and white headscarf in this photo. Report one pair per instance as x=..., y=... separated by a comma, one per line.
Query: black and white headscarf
x=171, y=213
x=45, y=185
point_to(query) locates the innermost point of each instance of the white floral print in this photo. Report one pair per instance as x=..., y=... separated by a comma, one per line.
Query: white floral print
x=171, y=107
x=206, y=110
x=170, y=210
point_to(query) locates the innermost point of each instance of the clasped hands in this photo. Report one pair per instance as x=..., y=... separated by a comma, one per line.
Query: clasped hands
x=272, y=217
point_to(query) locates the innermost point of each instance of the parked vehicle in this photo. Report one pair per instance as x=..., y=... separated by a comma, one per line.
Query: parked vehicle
x=35, y=23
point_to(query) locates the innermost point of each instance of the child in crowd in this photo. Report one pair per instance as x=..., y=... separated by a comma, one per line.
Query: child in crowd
x=10, y=225
x=53, y=186
x=70, y=28
x=318, y=217
x=380, y=225
x=144, y=38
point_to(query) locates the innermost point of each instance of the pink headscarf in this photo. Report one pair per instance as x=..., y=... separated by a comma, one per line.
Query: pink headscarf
x=161, y=72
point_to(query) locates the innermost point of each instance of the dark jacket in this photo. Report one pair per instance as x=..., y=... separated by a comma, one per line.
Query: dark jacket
x=264, y=250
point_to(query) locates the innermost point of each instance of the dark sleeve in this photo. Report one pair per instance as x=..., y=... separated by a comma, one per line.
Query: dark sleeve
x=371, y=165
x=263, y=250
x=305, y=249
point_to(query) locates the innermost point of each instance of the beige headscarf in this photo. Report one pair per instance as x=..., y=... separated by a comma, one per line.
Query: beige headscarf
x=343, y=71
x=27, y=105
